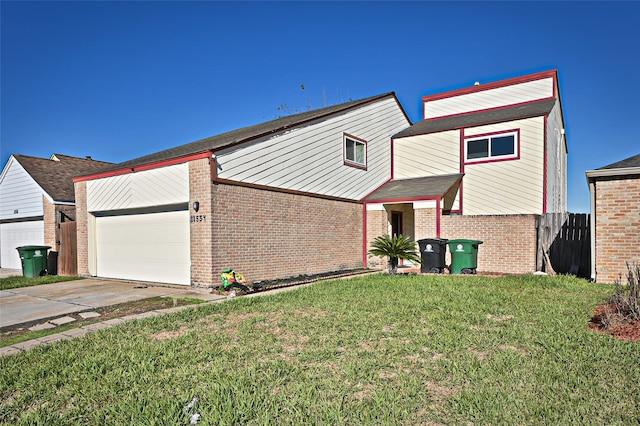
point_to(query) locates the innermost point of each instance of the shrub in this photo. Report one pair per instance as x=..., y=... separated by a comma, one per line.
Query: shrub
x=395, y=248
x=626, y=298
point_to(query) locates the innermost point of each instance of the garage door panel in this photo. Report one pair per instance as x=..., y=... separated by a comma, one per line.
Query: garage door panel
x=18, y=234
x=145, y=247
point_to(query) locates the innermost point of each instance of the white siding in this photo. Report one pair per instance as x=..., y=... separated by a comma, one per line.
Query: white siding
x=310, y=158
x=155, y=187
x=556, y=163
x=492, y=98
x=18, y=191
x=427, y=155
x=508, y=187
x=18, y=234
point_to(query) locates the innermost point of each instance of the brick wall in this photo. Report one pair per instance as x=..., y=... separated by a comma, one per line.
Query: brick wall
x=267, y=235
x=617, y=219
x=509, y=241
x=425, y=220
x=49, y=223
x=82, y=251
x=201, y=223
x=377, y=225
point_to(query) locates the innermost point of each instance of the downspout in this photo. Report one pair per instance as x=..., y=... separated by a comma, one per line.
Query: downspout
x=364, y=235
x=438, y=213
x=592, y=230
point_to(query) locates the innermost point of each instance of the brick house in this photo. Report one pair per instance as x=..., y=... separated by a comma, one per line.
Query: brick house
x=36, y=196
x=307, y=193
x=484, y=163
x=615, y=218
x=274, y=200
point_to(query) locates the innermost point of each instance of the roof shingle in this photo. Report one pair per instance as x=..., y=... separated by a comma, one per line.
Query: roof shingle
x=623, y=164
x=246, y=133
x=415, y=188
x=518, y=112
x=55, y=175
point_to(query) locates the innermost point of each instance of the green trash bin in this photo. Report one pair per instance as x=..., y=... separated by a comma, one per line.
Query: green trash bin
x=464, y=256
x=34, y=260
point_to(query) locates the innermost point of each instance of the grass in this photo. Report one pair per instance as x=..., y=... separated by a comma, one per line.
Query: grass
x=12, y=335
x=20, y=281
x=401, y=350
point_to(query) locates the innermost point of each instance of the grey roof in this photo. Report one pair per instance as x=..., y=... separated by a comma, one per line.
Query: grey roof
x=246, y=134
x=55, y=175
x=413, y=188
x=626, y=163
x=518, y=112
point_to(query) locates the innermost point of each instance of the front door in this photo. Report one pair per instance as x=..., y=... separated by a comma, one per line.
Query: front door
x=396, y=223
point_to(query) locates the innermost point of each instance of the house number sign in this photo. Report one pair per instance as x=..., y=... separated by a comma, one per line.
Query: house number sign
x=198, y=218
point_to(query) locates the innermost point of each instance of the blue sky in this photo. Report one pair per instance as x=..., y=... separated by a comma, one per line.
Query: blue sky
x=117, y=80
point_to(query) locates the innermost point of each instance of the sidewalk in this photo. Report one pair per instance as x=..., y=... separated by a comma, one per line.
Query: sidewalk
x=81, y=331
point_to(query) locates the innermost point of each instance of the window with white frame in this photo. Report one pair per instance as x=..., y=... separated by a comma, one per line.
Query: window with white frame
x=492, y=147
x=355, y=151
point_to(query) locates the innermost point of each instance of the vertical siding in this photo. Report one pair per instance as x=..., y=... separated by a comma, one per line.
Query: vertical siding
x=310, y=158
x=18, y=191
x=507, y=187
x=427, y=155
x=492, y=98
x=156, y=187
x=556, y=164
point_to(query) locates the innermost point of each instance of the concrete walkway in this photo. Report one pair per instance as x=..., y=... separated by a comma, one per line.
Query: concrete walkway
x=28, y=304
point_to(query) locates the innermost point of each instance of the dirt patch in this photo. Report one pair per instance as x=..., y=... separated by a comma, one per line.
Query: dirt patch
x=607, y=320
x=106, y=313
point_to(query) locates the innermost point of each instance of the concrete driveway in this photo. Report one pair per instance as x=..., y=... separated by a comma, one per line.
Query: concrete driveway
x=29, y=304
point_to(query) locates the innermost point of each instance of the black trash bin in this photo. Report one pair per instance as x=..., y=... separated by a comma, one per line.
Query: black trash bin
x=52, y=263
x=433, y=251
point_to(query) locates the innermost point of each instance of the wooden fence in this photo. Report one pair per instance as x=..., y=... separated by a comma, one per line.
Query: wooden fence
x=564, y=244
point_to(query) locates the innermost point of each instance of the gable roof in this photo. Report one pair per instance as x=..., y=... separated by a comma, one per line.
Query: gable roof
x=415, y=188
x=246, y=134
x=528, y=110
x=627, y=167
x=55, y=175
x=623, y=164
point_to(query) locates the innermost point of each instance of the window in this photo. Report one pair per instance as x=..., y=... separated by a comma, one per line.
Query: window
x=494, y=147
x=355, y=151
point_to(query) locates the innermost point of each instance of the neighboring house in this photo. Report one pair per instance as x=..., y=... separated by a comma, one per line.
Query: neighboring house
x=278, y=199
x=483, y=164
x=36, y=196
x=615, y=219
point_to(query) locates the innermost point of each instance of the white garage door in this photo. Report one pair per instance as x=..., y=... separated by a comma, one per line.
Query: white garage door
x=144, y=247
x=18, y=234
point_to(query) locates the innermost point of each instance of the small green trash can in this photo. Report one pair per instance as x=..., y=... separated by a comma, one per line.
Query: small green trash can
x=34, y=260
x=464, y=256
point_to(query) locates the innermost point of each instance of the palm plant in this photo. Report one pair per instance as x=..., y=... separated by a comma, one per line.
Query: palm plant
x=395, y=248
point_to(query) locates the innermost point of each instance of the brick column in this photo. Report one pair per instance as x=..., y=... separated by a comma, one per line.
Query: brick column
x=82, y=251
x=201, y=223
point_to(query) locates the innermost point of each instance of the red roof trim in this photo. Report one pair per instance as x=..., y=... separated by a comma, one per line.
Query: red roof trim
x=156, y=165
x=488, y=86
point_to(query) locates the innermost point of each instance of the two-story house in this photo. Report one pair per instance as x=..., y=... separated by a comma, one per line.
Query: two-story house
x=483, y=164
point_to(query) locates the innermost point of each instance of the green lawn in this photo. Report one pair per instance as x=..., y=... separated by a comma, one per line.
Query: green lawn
x=20, y=281
x=406, y=350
